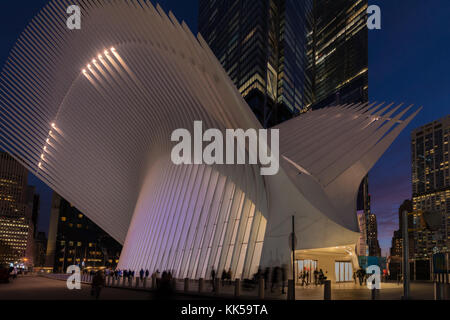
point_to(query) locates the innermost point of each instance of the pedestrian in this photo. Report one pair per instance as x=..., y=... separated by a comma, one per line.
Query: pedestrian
x=266, y=277
x=283, y=278
x=141, y=274
x=316, y=276
x=146, y=273
x=321, y=276
x=275, y=278
x=97, y=283
x=213, y=279
x=224, y=277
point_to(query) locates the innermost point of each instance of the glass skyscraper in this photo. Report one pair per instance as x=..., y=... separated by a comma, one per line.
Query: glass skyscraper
x=431, y=188
x=338, y=52
x=262, y=44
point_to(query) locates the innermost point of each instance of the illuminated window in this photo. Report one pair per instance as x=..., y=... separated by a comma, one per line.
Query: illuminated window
x=63, y=218
x=79, y=244
x=80, y=216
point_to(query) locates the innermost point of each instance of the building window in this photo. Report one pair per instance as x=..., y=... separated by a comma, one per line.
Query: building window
x=63, y=218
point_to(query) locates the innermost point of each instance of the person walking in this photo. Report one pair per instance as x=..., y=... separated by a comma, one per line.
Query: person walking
x=283, y=278
x=213, y=279
x=229, y=276
x=224, y=277
x=141, y=274
x=266, y=277
x=316, y=276
x=98, y=282
x=147, y=273
x=275, y=278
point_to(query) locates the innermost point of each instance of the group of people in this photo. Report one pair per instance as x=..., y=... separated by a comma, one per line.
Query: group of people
x=164, y=281
x=226, y=276
x=361, y=275
x=305, y=277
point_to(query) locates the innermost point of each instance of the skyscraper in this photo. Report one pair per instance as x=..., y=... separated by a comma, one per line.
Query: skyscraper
x=372, y=236
x=15, y=214
x=338, y=52
x=262, y=44
x=75, y=239
x=431, y=188
x=361, y=246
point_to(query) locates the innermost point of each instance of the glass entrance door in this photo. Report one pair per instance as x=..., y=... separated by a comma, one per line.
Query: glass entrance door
x=344, y=271
x=306, y=268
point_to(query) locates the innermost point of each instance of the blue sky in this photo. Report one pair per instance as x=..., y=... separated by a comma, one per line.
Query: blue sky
x=408, y=62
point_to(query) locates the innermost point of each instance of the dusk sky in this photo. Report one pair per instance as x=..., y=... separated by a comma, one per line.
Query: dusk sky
x=408, y=62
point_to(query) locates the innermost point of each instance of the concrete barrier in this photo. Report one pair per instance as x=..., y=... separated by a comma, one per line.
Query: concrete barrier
x=200, y=285
x=291, y=290
x=217, y=285
x=144, y=284
x=237, y=287
x=137, y=282
x=261, y=290
x=438, y=291
x=327, y=290
x=186, y=284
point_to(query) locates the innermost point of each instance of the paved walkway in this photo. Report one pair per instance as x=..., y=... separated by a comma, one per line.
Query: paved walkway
x=42, y=288
x=344, y=291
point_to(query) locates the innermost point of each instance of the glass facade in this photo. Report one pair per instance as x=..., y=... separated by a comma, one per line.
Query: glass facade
x=262, y=46
x=343, y=271
x=338, y=52
x=78, y=240
x=15, y=215
x=431, y=188
x=306, y=267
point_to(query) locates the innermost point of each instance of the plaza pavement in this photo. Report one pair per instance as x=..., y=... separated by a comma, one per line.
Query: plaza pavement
x=42, y=288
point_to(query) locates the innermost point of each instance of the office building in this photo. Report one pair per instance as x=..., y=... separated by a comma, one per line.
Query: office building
x=262, y=45
x=16, y=229
x=431, y=188
x=76, y=240
x=338, y=52
x=361, y=246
